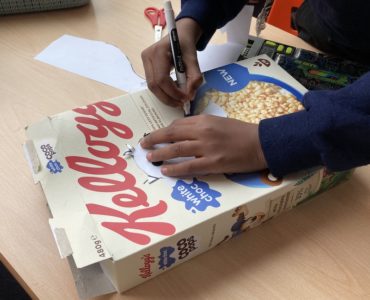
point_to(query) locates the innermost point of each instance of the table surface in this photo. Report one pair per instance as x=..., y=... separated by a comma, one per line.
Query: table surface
x=319, y=250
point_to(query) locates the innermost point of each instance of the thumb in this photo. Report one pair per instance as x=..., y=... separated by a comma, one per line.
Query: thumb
x=193, y=76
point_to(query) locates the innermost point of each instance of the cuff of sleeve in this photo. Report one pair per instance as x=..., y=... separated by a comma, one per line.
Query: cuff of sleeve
x=201, y=12
x=287, y=145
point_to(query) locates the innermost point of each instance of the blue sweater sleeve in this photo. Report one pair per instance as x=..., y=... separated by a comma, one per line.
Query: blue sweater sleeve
x=210, y=15
x=332, y=131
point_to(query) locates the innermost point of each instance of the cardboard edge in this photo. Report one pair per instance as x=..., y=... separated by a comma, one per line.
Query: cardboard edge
x=32, y=158
x=61, y=239
x=90, y=281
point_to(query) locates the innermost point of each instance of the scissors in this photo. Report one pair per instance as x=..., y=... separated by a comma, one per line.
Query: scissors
x=157, y=18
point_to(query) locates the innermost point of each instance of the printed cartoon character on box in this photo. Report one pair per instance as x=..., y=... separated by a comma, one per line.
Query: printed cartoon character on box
x=243, y=222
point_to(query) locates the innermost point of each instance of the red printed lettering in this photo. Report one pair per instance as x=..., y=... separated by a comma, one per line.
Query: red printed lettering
x=132, y=221
x=94, y=127
x=145, y=271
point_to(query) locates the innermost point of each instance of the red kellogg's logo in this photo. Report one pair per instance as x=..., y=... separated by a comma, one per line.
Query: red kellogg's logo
x=145, y=271
x=95, y=129
x=261, y=62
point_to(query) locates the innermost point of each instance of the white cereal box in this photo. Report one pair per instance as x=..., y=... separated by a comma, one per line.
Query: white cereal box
x=116, y=218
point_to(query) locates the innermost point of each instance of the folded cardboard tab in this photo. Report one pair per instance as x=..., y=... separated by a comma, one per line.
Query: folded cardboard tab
x=61, y=239
x=73, y=227
x=78, y=237
x=32, y=158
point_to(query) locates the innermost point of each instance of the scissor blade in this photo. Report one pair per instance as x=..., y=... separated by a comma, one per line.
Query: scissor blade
x=157, y=32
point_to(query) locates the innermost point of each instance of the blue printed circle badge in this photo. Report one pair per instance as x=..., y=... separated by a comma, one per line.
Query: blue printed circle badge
x=234, y=77
x=196, y=195
x=229, y=78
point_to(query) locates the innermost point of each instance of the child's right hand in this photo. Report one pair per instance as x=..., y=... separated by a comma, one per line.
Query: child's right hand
x=157, y=61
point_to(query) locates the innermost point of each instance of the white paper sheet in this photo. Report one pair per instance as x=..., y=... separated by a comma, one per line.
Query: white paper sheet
x=214, y=56
x=147, y=167
x=237, y=31
x=107, y=64
x=93, y=59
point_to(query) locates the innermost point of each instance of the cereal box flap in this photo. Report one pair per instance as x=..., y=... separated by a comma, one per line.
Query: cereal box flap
x=73, y=228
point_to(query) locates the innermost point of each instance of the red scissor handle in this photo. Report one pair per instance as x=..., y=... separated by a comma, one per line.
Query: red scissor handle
x=156, y=16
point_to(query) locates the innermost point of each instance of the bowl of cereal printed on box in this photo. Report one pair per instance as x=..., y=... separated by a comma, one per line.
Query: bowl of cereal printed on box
x=258, y=100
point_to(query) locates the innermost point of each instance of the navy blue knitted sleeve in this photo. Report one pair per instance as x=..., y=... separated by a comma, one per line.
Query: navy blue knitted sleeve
x=210, y=15
x=332, y=131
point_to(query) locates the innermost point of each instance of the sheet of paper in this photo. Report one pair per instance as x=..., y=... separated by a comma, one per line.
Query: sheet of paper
x=93, y=59
x=237, y=31
x=214, y=56
x=107, y=64
x=150, y=169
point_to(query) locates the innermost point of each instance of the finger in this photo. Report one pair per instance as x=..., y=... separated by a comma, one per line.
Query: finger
x=162, y=76
x=193, y=167
x=175, y=150
x=179, y=130
x=155, y=79
x=164, y=97
x=156, y=86
x=167, y=85
x=194, y=78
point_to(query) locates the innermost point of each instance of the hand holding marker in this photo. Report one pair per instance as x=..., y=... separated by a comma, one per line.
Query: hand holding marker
x=176, y=51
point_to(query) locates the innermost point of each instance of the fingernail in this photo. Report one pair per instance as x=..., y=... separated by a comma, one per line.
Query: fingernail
x=149, y=156
x=142, y=140
x=164, y=171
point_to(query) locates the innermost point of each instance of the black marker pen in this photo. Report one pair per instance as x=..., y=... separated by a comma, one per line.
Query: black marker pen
x=176, y=51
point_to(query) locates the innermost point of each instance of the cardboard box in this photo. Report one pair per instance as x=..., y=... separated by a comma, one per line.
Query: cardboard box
x=115, y=222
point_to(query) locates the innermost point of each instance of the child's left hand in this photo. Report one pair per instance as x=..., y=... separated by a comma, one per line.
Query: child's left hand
x=219, y=145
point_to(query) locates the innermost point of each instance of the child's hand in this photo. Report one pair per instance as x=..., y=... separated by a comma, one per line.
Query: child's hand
x=220, y=145
x=157, y=61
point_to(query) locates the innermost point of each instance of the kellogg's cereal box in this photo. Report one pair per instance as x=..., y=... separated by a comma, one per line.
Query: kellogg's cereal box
x=116, y=217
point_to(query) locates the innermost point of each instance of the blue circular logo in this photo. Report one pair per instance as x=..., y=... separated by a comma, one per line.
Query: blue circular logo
x=229, y=78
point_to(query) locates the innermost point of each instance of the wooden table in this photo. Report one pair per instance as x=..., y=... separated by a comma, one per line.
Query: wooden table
x=320, y=250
